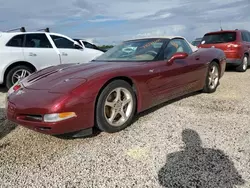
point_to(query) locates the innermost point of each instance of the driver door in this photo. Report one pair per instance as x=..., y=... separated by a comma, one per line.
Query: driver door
x=68, y=51
x=174, y=78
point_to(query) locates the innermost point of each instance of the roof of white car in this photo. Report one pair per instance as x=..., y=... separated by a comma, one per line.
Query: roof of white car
x=28, y=32
x=8, y=35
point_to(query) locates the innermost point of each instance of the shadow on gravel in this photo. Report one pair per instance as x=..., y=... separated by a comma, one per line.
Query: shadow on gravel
x=198, y=167
x=5, y=126
x=232, y=69
x=3, y=89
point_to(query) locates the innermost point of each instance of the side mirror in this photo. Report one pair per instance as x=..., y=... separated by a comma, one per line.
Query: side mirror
x=177, y=55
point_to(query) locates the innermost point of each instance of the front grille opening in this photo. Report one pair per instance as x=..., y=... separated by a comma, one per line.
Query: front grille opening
x=30, y=117
x=44, y=128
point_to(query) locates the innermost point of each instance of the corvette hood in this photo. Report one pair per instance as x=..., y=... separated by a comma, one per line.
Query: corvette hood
x=67, y=76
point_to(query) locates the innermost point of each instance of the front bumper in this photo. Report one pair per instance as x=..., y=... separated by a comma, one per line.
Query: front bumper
x=58, y=128
x=18, y=106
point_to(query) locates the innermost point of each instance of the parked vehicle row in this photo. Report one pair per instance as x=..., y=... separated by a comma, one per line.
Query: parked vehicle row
x=196, y=41
x=234, y=43
x=108, y=92
x=23, y=53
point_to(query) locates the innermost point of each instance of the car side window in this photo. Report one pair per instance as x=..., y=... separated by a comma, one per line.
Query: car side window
x=243, y=36
x=176, y=45
x=248, y=36
x=88, y=45
x=62, y=42
x=16, y=41
x=39, y=40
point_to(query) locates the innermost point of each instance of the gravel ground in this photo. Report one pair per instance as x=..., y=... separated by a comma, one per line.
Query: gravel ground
x=199, y=141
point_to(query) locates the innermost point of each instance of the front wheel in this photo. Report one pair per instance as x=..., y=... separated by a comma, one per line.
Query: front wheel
x=17, y=73
x=115, y=107
x=212, y=78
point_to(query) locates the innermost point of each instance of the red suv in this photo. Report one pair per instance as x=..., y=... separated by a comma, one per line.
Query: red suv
x=235, y=44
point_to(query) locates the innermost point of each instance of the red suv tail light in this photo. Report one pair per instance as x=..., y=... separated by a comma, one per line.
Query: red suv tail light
x=233, y=46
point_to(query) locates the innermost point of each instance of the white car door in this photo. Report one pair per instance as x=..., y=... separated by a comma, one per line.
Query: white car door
x=39, y=51
x=70, y=51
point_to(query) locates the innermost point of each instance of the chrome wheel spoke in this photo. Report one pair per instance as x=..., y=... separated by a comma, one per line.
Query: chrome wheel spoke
x=216, y=75
x=23, y=74
x=113, y=116
x=125, y=102
x=209, y=80
x=123, y=115
x=212, y=83
x=110, y=104
x=118, y=94
x=16, y=76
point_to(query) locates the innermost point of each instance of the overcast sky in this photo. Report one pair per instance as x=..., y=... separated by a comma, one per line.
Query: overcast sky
x=111, y=21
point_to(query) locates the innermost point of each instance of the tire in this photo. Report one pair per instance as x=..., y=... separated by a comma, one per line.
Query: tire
x=243, y=66
x=108, y=98
x=211, y=86
x=13, y=71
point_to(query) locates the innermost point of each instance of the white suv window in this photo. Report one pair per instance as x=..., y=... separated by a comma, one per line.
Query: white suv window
x=62, y=42
x=37, y=41
x=16, y=41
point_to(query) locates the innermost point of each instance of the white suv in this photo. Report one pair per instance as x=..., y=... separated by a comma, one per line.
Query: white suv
x=22, y=53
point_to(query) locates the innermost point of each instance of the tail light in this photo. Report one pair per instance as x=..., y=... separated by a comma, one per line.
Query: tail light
x=233, y=46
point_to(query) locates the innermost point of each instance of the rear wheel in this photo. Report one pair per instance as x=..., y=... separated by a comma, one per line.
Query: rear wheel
x=17, y=73
x=115, y=107
x=212, y=78
x=243, y=66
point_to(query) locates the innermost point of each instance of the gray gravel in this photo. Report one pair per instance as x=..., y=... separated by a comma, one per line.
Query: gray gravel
x=151, y=153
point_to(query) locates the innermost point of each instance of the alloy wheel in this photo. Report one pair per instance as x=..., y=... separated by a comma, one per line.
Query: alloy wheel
x=118, y=106
x=213, y=77
x=245, y=63
x=19, y=74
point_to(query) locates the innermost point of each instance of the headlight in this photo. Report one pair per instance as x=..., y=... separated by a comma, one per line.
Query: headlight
x=58, y=116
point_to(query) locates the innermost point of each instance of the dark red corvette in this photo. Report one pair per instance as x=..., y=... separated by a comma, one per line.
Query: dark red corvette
x=109, y=91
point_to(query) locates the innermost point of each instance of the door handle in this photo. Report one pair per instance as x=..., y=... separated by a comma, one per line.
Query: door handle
x=197, y=57
x=32, y=54
x=65, y=54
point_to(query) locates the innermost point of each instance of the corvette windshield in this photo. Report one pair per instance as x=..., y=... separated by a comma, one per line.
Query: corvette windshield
x=134, y=50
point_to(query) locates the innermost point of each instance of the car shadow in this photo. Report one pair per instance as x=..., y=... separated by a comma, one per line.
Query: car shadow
x=198, y=167
x=3, y=89
x=152, y=109
x=5, y=126
x=232, y=69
